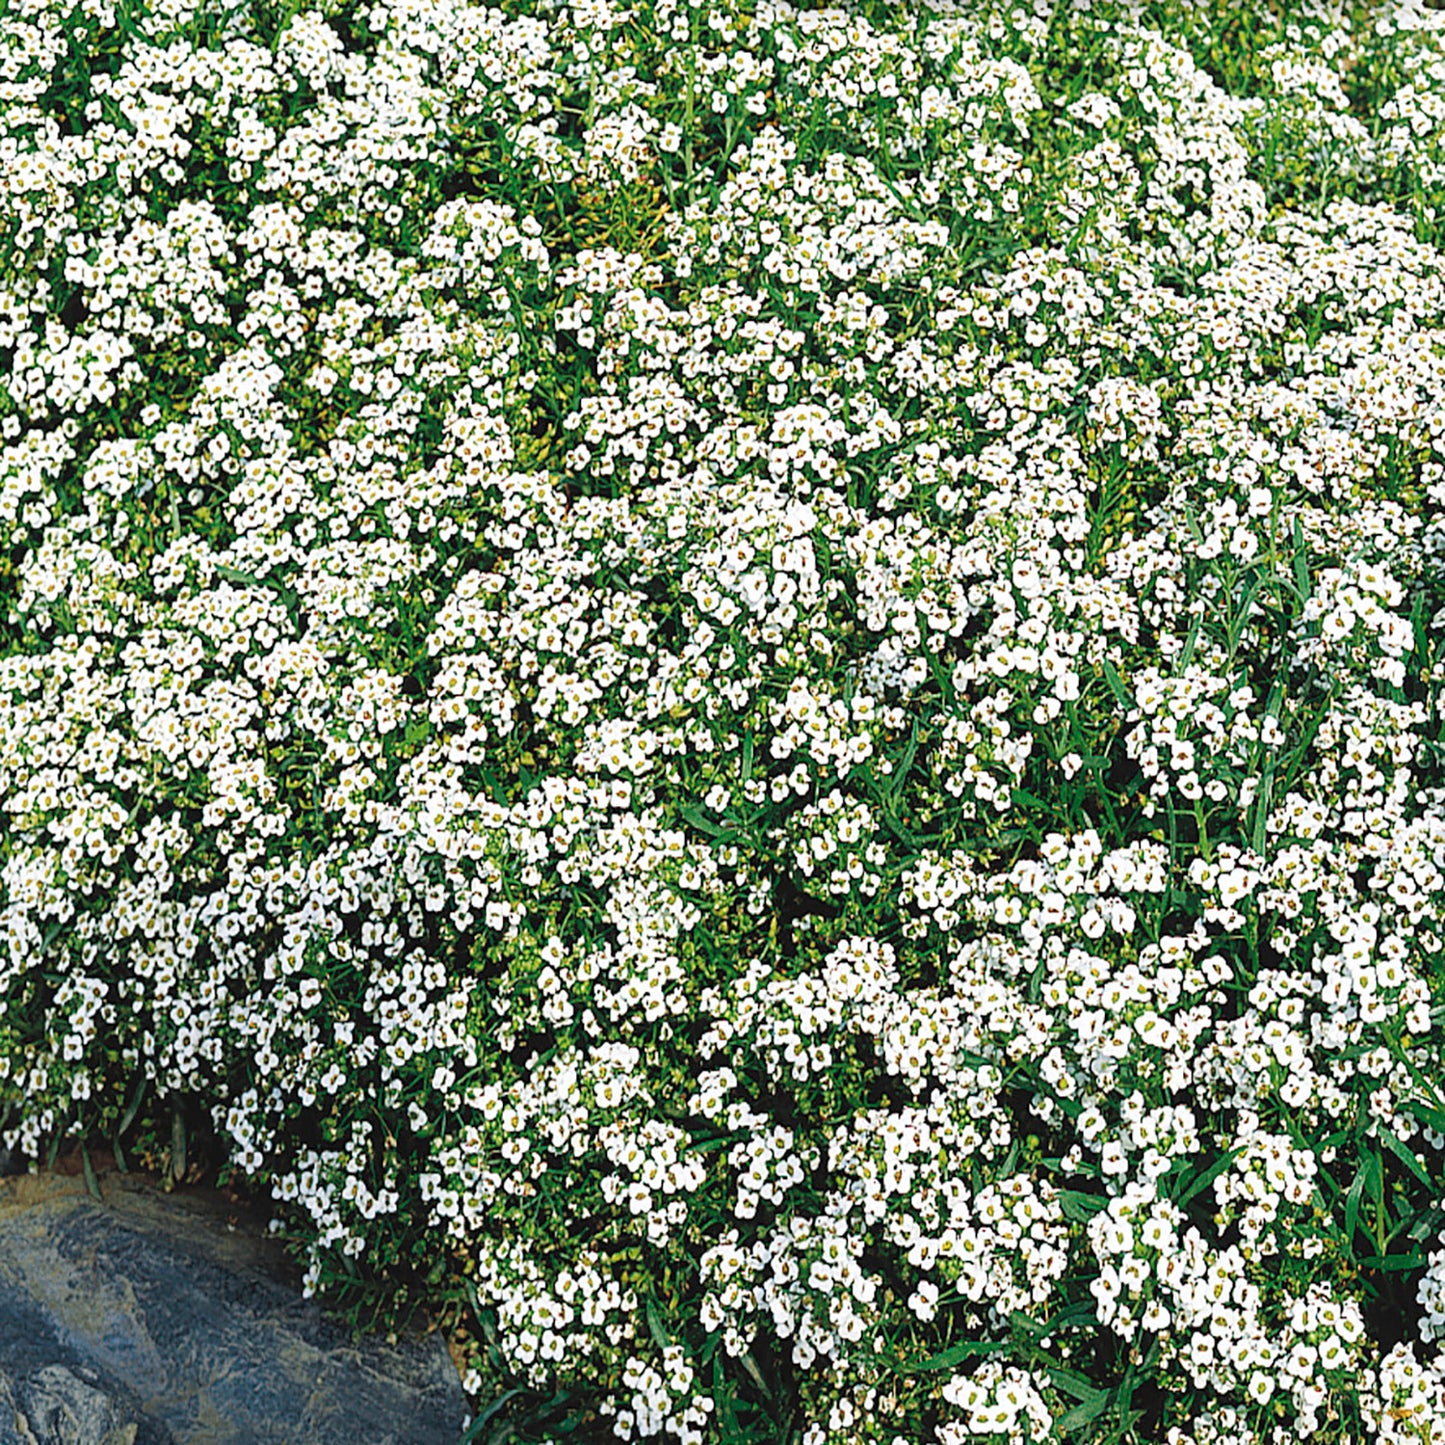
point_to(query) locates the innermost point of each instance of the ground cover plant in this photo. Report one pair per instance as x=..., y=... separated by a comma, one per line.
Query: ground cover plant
x=750, y=695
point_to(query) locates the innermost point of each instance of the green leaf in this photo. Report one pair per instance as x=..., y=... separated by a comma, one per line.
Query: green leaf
x=133, y=1108
x=1369, y=1166
x=235, y=574
x=655, y=1326
x=751, y=1366
x=957, y=1354
x=1298, y=755
x=1393, y=1262
x=1081, y=1414
x=1426, y=1223
x=1427, y=1114
x=722, y=1393
x=1417, y=624
x=1301, y=567
x=88, y=1169
x=1022, y=798
x=1240, y=620
x=701, y=1146
x=1077, y=1387
x=1078, y=1207
x=900, y=769
x=702, y=822
x=1116, y=685
x=1261, y=810
x=1187, y=656
x=249, y=579
x=1405, y=1155
x=178, y=1143
x=1207, y=1177
x=1081, y=1313
x=474, y=1430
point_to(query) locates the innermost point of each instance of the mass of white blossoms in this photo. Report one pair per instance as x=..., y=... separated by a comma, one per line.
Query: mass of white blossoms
x=750, y=695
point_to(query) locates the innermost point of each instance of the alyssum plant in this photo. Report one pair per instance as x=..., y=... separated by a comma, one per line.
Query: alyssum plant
x=750, y=694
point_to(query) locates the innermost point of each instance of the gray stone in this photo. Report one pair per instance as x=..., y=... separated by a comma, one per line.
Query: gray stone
x=60, y=1408
x=11, y=1420
x=143, y=1322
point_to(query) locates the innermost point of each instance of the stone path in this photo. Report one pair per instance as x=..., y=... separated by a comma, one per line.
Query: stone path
x=146, y=1320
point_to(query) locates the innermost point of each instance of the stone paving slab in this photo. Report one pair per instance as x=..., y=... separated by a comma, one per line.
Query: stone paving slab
x=147, y=1321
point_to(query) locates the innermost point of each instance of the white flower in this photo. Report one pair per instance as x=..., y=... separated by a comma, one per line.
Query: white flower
x=924, y=1300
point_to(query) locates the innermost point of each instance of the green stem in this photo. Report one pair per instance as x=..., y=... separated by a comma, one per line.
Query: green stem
x=1204, y=848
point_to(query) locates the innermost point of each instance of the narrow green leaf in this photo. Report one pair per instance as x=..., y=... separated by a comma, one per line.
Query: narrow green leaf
x=1376, y=1187
x=1393, y=1263
x=1082, y=1313
x=1078, y=1207
x=133, y=1108
x=235, y=574
x=1022, y=798
x=1368, y=1183
x=751, y=1366
x=1298, y=755
x=1405, y=1155
x=1427, y=1114
x=248, y=579
x=1081, y=1414
x=1116, y=685
x=178, y=1144
x=1417, y=625
x=474, y=1430
x=702, y=822
x=88, y=1169
x=900, y=770
x=1240, y=620
x=1187, y=656
x=1076, y=1386
x=1261, y=810
x=701, y=1146
x=957, y=1354
x=1205, y=1178
x=1426, y=1223
x=1301, y=566
x=1352, y=1202
x=722, y=1393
